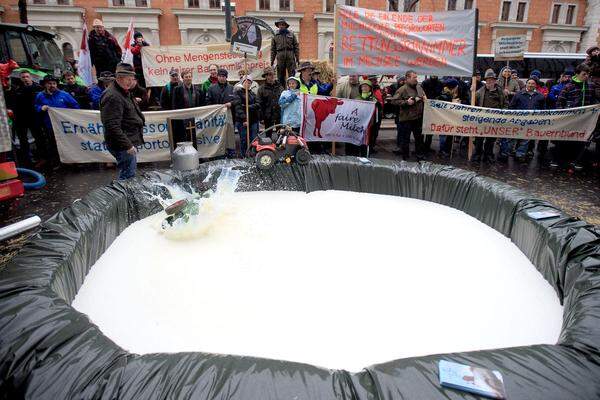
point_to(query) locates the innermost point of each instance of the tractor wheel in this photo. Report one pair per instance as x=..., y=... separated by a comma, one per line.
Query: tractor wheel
x=265, y=159
x=302, y=156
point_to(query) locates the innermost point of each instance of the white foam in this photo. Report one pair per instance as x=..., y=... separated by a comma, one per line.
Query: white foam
x=336, y=279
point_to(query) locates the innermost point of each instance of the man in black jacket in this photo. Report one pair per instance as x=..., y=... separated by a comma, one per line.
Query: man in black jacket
x=220, y=92
x=166, y=95
x=239, y=113
x=79, y=92
x=105, y=51
x=186, y=95
x=268, y=98
x=123, y=121
x=26, y=119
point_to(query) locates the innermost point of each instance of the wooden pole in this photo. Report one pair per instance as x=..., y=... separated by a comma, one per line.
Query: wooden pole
x=473, y=83
x=335, y=38
x=247, y=105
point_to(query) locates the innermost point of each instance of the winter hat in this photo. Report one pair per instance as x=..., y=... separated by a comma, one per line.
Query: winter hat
x=536, y=72
x=246, y=78
x=514, y=71
x=569, y=71
x=106, y=76
x=97, y=22
x=268, y=71
x=294, y=78
x=451, y=83
x=281, y=21
x=489, y=73
x=505, y=69
x=222, y=72
x=49, y=78
x=173, y=72
x=306, y=65
x=589, y=51
x=137, y=35
x=124, y=69
x=366, y=82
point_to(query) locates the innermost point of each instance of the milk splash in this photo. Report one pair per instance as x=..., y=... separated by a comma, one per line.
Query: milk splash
x=203, y=211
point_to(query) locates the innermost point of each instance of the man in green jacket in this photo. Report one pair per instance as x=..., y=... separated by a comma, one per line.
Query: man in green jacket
x=410, y=99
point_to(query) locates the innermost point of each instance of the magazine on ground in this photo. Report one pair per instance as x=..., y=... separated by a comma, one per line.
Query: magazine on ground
x=543, y=214
x=481, y=381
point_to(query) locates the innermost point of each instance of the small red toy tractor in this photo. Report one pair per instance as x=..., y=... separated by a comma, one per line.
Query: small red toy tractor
x=278, y=143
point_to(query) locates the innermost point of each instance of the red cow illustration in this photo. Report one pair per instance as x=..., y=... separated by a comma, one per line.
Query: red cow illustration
x=322, y=108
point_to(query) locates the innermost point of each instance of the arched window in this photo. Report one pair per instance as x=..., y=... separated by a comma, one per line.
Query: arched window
x=67, y=50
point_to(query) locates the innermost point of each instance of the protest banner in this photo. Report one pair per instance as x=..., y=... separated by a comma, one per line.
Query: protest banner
x=247, y=40
x=573, y=124
x=80, y=134
x=510, y=48
x=329, y=119
x=386, y=42
x=157, y=62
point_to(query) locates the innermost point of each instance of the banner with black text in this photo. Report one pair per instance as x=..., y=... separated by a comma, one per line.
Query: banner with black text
x=80, y=134
x=574, y=124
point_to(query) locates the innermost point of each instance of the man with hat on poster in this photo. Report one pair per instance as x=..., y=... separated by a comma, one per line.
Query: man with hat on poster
x=307, y=85
x=104, y=80
x=489, y=96
x=268, y=98
x=284, y=49
x=105, y=51
x=123, y=121
x=51, y=96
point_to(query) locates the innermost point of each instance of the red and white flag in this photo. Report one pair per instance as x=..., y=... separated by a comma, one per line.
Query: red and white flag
x=84, y=63
x=127, y=55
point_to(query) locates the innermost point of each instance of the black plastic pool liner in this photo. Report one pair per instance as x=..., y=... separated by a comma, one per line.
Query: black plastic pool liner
x=48, y=350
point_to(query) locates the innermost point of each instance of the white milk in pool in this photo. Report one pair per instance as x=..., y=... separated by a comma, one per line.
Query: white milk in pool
x=335, y=279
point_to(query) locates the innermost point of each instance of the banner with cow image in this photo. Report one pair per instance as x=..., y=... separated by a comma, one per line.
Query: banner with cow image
x=331, y=119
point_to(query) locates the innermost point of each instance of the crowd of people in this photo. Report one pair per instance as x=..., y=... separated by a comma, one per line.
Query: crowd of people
x=277, y=100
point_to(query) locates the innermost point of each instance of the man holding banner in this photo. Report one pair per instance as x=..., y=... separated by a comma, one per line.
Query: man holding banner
x=123, y=121
x=489, y=96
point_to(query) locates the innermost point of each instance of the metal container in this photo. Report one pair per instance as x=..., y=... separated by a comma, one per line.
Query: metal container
x=185, y=157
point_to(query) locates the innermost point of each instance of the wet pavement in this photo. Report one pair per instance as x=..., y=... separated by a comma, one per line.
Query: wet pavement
x=577, y=194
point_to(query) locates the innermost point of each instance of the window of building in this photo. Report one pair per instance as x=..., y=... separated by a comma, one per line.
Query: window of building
x=555, y=13
x=284, y=5
x=264, y=4
x=570, y=14
x=468, y=4
x=350, y=3
x=451, y=5
x=193, y=3
x=521, y=11
x=118, y=3
x=63, y=2
x=505, y=11
x=39, y=1
x=329, y=5
x=214, y=4
x=141, y=3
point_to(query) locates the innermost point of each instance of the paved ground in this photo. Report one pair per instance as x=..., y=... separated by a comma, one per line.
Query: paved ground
x=578, y=194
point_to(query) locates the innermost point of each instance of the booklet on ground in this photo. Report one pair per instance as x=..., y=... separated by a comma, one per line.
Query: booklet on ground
x=481, y=381
x=543, y=214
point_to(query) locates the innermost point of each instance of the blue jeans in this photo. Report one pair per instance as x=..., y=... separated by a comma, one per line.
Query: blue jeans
x=506, y=144
x=242, y=131
x=126, y=163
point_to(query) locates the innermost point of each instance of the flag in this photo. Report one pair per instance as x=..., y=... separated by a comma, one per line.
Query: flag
x=84, y=64
x=127, y=55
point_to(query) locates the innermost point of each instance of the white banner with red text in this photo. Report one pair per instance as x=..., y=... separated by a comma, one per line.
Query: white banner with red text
x=573, y=124
x=80, y=134
x=157, y=62
x=330, y=119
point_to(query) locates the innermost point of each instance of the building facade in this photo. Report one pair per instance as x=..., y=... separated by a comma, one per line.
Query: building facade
x=561, y=26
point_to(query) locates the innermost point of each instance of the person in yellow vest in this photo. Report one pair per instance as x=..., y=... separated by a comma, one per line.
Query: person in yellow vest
x=307, y=85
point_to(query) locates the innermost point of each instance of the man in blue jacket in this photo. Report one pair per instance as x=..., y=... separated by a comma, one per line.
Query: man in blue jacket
x=565, y=78
x=52, y=96
x=528, y=99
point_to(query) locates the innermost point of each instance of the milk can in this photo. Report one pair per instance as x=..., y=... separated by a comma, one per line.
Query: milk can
x=185, y=157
